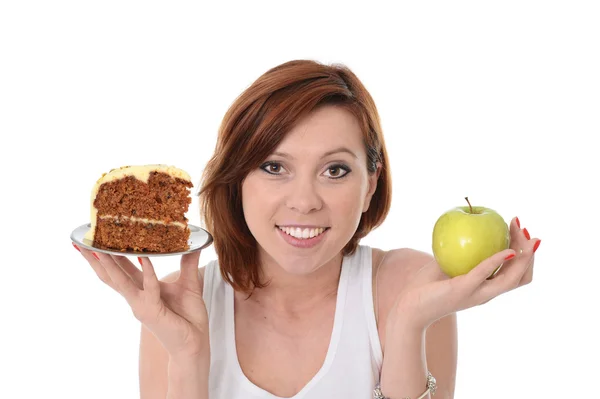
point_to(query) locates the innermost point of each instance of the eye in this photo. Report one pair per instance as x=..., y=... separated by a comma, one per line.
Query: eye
x=338, y=171
x=272, y=168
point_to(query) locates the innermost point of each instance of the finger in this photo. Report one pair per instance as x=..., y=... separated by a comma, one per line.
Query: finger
x=521, y=263
x=133, y=271
x=518, y=239
x=511, y=277
x=151, y=284
x=528, y=276
x=98, y=268
x=189, y=266
x=486, y=268
x=122, y=282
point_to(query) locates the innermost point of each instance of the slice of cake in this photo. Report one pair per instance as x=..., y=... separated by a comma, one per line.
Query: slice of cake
x=141, y=208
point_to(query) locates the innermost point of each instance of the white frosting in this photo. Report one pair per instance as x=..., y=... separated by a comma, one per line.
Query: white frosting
x=140, y=172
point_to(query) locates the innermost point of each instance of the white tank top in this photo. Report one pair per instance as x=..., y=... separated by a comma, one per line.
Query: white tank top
x=354, y=357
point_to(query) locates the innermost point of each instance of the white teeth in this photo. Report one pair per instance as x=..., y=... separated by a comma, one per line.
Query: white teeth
x=302, y=234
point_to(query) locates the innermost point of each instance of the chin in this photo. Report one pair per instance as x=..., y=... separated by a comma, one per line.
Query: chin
x=298, y=267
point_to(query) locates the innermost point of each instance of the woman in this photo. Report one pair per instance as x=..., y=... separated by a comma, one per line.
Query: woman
x=294, y=306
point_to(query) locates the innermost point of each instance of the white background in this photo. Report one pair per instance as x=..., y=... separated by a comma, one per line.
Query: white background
x=495, y=100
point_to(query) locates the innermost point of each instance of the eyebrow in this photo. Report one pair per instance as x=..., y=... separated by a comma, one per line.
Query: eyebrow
x=335, y=151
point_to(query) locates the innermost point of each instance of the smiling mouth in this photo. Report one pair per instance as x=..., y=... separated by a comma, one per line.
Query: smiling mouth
x=299, y=233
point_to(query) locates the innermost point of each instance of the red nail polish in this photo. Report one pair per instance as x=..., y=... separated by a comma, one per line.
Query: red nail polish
x=140, y=260
x=526, y=234
x=509, y=257
x=537, y=244
x=76, y=247
x=518, y=223
x=95, y=255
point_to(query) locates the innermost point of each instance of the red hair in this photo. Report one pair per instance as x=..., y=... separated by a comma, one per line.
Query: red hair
x=251, y=130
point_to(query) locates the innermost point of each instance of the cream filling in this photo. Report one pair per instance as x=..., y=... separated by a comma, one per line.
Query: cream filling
x=140, y=172
x=143, y=220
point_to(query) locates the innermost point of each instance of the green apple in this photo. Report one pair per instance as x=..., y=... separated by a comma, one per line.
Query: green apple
x=466, y=235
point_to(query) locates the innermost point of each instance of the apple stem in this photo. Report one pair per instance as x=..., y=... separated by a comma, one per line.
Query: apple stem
x=470, y=207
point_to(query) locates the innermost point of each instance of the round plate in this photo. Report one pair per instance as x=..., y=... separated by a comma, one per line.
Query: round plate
x=199, y=239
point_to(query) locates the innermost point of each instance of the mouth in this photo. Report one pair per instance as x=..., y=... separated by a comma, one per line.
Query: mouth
x=303, y=233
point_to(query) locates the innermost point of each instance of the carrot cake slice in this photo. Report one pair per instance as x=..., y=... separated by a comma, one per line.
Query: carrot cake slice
x=141, y=208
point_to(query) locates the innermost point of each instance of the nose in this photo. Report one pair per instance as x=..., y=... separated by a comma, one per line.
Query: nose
x=303, y=196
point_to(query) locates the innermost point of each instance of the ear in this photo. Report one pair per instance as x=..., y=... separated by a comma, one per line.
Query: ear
x=373, y=179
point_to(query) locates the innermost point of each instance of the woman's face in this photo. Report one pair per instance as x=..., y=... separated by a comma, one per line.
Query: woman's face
x=315, y=185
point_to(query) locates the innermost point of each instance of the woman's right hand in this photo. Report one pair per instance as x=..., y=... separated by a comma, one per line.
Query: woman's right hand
x=173, y=311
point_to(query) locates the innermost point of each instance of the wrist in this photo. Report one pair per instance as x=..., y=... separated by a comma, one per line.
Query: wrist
x=404, y=366
x=406, y=321
x=191, y=355
x=182, y=369
x=190, y=360
x=401, y=334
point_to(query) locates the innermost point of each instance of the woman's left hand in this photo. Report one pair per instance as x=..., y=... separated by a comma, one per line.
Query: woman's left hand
x=431, y=295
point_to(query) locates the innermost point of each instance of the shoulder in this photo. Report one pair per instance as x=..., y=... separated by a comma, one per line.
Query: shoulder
x=394, y=267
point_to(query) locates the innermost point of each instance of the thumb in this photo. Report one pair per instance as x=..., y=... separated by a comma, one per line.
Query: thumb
x=486, y=268
x=189, y=266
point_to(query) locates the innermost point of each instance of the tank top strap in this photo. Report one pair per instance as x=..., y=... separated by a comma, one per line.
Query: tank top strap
x=211, y=281
x=368, y=304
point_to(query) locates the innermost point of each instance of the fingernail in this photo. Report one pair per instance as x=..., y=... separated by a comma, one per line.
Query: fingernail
x=518, y=223
x=76, y=247
x=509, y=257
x=140, y=260
x=526, y=233
x=537, y=244
x=95, y=255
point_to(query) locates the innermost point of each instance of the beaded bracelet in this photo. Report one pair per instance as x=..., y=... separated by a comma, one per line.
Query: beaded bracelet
x=431, y=388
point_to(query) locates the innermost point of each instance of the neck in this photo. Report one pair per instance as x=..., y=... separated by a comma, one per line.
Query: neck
x=293, y=294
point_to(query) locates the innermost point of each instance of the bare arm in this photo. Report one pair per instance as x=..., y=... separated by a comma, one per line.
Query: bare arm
x=153, y=367
x=188, y=378
x=442, y=354
x=429, y=296
x=162, y=377
x=404, y=370
x=408, y=352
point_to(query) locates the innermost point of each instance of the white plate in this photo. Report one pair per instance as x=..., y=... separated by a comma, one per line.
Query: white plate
x=199, y=239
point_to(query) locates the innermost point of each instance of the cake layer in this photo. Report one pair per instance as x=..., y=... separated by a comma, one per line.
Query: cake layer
x=125, y=234
x=162, y=197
